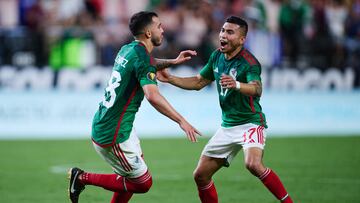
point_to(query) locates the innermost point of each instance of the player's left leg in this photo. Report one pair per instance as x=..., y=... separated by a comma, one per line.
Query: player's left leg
x=131, y=172
x=117, y=183
x=122, y=187
x=75, y=186
x=254, y=142
x=253, y=162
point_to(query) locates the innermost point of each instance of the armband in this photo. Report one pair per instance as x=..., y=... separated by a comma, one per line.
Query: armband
x=237, y=85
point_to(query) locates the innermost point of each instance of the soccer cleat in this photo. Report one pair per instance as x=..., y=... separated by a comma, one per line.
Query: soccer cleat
x=75, y=186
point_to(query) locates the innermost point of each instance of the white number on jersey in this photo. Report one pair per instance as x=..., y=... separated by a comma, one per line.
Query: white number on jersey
x=121, y=61
x=223, y=91
x=113, y=83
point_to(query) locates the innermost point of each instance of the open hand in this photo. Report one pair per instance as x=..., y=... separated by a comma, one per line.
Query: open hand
x=227, y=82
x=190, y=131
x=184, y=56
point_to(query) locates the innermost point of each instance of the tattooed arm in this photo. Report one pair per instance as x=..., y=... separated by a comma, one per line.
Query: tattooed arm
x=164, y=63
x=182, y=57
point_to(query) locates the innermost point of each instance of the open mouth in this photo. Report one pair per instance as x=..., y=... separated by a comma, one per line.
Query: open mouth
x=223, y=44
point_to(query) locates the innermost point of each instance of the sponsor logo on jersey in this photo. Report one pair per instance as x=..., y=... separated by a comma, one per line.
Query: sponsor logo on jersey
x=121, y=61
x=151, y=76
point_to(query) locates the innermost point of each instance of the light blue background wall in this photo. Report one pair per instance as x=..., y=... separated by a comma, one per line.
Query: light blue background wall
x=65, y=114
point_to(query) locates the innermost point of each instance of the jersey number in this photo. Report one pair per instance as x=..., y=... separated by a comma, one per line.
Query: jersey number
x=110, y=93
x=223, y=91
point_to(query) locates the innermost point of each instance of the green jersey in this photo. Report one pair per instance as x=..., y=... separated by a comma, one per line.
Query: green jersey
x=133, y=68
x=237, y=108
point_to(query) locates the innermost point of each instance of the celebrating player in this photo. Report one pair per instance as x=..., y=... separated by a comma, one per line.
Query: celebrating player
x=113, y=135
x=237, y=75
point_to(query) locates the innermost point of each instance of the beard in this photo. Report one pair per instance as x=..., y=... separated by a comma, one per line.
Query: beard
x=156, y=41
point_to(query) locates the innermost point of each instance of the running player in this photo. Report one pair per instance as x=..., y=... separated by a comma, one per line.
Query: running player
x=113, y=135
x=237, y=75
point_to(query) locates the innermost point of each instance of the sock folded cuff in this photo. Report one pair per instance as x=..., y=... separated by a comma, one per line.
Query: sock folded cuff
x=142, y=179
x=205, y=187
x=286, y=196
x=265, y=174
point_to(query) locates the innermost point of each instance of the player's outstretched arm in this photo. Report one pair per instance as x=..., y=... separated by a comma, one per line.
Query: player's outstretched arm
x=189, y=83
x=153, y=95
x=181, y=58
x=253, y=88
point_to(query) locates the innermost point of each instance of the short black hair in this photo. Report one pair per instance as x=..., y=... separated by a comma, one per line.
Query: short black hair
x=238, y=21
x=139, y=21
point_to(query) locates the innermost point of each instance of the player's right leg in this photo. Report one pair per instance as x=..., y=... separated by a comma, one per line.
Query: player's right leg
x=203, y=173
x=218, y=152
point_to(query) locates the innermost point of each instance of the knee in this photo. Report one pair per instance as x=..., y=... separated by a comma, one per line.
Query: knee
x=200, y=178
x=145, y=186
x=255, y=167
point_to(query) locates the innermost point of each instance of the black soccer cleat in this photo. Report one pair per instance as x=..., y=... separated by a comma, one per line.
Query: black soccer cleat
x=75, y=186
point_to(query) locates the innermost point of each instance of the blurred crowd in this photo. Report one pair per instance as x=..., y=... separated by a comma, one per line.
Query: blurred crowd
x=86, y=33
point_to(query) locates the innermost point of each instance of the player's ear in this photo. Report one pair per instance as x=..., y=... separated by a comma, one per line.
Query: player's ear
x=242, y=39
x=147, y=33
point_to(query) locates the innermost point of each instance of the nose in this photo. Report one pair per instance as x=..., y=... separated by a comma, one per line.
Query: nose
x=222, y=35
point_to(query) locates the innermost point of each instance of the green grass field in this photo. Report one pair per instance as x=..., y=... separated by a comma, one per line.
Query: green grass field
x=313, y=169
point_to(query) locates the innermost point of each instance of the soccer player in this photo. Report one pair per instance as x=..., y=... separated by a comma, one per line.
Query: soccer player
x=113, y=135
x=237, y=75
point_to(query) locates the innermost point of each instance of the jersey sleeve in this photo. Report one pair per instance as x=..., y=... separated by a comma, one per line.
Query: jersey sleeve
x=254, y=73
x=207, y=71
x=145, y=73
